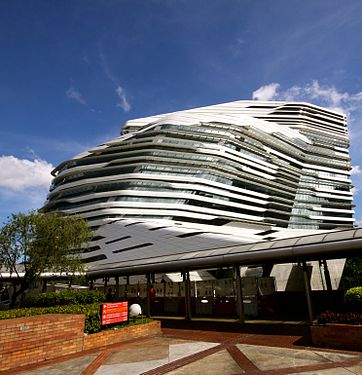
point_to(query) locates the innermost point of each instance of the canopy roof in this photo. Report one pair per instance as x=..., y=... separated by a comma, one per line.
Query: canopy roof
x=331, y=245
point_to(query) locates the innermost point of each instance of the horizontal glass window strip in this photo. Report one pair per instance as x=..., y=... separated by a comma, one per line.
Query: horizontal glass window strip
x=334, y=214
x=186, y=235
x=118, y=239
x=132, y=224
x=227, y=142
x=277, y=214
x=163, y=154
x=158, y=228
x=303, y=226
x=136, y=167
x=337, y=205
x=97, y=238
x=332, y=163
x=278, y=207
x=62, y=205
x=204, y=128
x=132, y=247
x=94, y=259
x=91, y=249
x=211, y=175
x=260, y=186
x=149, y=199
x=323, y=140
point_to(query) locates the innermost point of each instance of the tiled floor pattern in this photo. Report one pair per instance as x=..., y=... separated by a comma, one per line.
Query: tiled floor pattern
x=183, y=352
x=70, y=367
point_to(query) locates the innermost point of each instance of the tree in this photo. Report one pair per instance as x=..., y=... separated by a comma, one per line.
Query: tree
x=353, y=272
x=41, y=242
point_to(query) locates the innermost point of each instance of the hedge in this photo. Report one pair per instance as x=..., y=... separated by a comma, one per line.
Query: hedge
x=65, y=297
x=91, y=312
x=353, y=298
x=340, y=318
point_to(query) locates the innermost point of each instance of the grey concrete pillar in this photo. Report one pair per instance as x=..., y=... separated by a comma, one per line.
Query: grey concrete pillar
x=148, y=296
x=105, y=285
x=239, y=295
x=117, y=288
x=44, y=286
x=327, y=278
x=187, y=295
x=308, y=291
x=127, y=287
x=327, y=275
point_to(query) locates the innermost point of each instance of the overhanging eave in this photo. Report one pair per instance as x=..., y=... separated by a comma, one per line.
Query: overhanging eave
x=270, y=252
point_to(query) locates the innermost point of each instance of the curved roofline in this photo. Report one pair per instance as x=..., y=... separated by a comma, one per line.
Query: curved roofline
x=243, y=101
x=330, y=245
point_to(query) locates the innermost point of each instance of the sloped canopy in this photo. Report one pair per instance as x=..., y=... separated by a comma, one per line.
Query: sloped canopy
x=331, y=245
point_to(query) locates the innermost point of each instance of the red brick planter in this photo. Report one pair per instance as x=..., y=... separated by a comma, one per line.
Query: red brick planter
x=337, y=336
x=34, y=339
x=110, y=337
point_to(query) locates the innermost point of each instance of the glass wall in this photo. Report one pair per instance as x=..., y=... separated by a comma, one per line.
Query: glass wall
x=213, y=294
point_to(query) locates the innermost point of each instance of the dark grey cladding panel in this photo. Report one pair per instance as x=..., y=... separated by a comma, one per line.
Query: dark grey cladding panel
x=284, y=243
x=311, y=239
x=348, y=243
x=339, y=236
x=358, y=233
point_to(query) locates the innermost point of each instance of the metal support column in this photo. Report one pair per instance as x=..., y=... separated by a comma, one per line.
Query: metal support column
x=44, y=286
x=148, y=296
x=117, y=288
x=308, y=291
x=239, y=295
x=105, y=285
x=126, y=288
x=327, y=278
x=187, y=295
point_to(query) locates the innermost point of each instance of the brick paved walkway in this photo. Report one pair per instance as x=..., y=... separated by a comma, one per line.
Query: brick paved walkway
x=206, y=349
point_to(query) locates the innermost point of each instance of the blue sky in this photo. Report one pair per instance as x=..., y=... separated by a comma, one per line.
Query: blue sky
x=72, y=72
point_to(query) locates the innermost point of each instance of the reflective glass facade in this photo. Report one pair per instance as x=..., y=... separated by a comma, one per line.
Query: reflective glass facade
x=274, y=164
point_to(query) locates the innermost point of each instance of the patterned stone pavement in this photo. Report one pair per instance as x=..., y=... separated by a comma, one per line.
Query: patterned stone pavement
x=205, y=352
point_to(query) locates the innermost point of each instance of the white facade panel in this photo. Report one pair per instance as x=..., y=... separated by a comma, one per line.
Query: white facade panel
x=231, y=173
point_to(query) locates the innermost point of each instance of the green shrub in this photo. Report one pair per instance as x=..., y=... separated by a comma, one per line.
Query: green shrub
x=91, y=312
x=63, y=298
x=340, y=318
x=353, y=298
x=132, y=322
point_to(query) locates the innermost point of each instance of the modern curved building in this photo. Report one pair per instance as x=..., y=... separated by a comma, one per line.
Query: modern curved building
x=204, y=178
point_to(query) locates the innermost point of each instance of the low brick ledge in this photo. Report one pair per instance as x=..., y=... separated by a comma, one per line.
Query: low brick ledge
x=337, y=336
x=115, y=336
x=31, y=340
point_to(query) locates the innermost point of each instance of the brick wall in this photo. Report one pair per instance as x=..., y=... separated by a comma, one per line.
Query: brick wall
x=338, y=336
x=34, y=339
x=28, y=340
x=110, y=337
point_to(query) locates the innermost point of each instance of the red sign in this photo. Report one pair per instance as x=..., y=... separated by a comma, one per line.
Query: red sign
x=114, y=312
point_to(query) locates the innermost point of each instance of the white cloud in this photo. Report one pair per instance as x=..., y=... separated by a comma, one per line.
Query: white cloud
x=359, y=222
x=325, y=95
x=355, y=190
x=124, y=104
x=17, y=175
x=267, y=92
x=124, y=101
x=356, y=169
x=236, y=47
x=74, y=94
